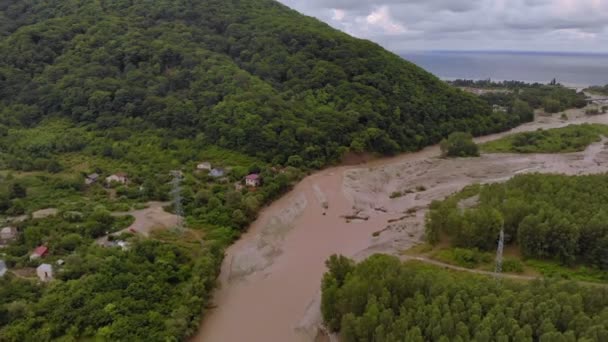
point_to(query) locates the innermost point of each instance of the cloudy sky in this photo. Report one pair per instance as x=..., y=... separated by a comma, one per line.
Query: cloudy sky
x=410, y=25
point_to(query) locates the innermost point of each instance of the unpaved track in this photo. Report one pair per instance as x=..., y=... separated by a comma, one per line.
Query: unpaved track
x=486, y=273
x=271, y=277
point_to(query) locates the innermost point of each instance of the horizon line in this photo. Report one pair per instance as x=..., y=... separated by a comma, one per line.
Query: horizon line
x=529, y=52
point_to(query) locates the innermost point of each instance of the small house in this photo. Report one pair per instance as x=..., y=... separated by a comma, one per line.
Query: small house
x=253, y=180
x=8, y=234
x=3, y=268
x=39, y=252
x=204, y=166
x=45, y=272
x=124, y=245
x=217, y=172
x=92, y=178
x=120, y=177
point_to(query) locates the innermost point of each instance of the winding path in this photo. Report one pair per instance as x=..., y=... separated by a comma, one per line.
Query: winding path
x=487, y=273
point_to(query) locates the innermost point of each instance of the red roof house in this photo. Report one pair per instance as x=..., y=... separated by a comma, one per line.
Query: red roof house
x=253, y=180
x=39, y=252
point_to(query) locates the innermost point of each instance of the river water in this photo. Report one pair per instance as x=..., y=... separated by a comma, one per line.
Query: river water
x=271, y=277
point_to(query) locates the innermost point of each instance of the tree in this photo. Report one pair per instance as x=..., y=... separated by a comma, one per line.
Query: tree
x=54, y=167
x=523, y=110
x=552, y=105
x=17, y=191
x=459, y=144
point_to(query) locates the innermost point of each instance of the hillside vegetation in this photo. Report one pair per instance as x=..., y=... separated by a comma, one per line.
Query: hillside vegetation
x=602, y=90
x=382, y=299
x=572, y=138
x=247, y=75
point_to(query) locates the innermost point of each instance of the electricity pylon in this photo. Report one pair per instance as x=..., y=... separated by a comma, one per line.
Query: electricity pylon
x=176, y=194
x=499, y=252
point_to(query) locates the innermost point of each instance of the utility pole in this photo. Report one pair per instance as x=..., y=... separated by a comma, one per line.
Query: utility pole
x=176, y=194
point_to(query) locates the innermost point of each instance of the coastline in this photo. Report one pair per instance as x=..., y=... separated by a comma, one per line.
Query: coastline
x=571, y=69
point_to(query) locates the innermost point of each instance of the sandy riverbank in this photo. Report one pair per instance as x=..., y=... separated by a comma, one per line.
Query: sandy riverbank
x=270, y=278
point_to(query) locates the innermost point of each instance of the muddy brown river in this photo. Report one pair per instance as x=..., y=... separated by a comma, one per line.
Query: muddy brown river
x=271, y=277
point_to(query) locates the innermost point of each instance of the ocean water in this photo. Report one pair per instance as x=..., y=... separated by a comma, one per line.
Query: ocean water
x=571, y=69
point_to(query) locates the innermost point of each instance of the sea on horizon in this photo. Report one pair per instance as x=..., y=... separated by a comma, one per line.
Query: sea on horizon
x=570, y=69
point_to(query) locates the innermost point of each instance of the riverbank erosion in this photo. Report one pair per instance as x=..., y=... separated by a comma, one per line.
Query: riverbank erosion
x=271, y=277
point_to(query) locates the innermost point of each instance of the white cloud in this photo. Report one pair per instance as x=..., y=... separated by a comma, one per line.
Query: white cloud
x=338, y=14
x=382, y=19
x=402, y=25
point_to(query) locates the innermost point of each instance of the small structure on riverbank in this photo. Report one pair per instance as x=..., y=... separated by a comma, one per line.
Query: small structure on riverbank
x=253, y=180
x=3, y=268
x=45, y=272
x=92, y=178
x=39, y=252
x=217, y=173
x=204, y=166
x=119, y=177
x=7, y=235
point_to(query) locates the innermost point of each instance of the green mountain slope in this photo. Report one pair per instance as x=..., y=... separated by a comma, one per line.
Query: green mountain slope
x=253, y=76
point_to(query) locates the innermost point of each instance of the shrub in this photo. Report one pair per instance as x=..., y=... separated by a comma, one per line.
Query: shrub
x=551, y=105
x=396, y=194
x=512, y=266
x=469, y=258
x=592, y=111
x=459, y=144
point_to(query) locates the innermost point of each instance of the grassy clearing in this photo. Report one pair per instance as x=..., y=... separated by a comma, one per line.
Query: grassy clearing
x=579, y=273
x=479, y=260
x=468, y=258
x=571, y=138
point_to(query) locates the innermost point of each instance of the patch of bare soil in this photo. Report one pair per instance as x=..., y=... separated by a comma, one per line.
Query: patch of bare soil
x=44, y=213
x=147, y=220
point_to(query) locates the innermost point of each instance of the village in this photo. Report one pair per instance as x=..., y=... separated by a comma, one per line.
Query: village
x=44, y=265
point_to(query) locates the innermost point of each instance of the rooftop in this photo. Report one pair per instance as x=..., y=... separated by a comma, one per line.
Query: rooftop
x=8, y=230
x=41, y=250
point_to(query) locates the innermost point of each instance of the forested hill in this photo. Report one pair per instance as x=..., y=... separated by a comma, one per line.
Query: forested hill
x=248, y=75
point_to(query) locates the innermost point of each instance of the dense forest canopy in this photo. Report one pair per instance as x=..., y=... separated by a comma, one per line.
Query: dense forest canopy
x=547, y=216
x=382, y=299
x=248, y=75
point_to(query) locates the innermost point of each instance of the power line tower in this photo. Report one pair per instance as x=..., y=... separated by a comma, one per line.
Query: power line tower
x=176, y=194
x=499, y=252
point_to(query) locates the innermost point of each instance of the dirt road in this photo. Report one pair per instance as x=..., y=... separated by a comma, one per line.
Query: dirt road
x=271, y=277
x=481, y=272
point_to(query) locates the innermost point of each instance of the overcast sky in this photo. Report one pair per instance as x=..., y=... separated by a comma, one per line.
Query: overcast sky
x=409, y=25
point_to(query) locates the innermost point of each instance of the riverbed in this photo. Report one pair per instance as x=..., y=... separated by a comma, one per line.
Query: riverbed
x=271, y=277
